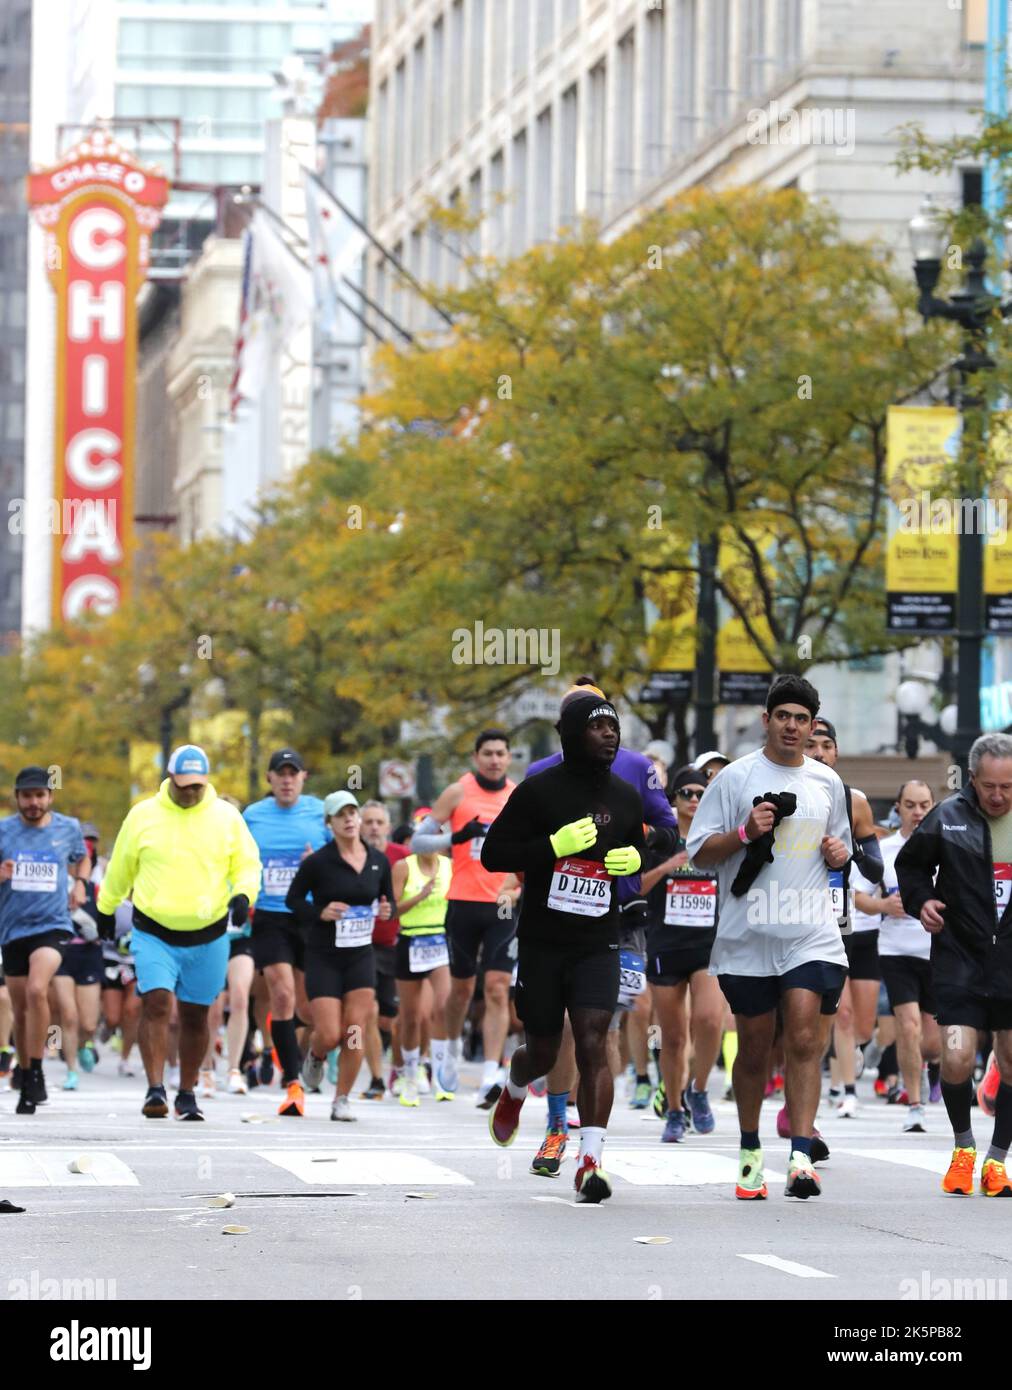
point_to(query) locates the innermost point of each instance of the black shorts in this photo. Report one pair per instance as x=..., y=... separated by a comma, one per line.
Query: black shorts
x=552, y=980
x=753, y=995
x=278, y=940
x=386, y=980
x=675, y=954
x=908, y=981
x=862, y=955
x=16, y=952
x=82, y=961
x=972, y=1011
x=333, y=972
x=240, y=946
x=404, y=971
x=474, y=926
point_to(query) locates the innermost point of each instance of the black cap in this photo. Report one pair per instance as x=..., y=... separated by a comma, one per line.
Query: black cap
x=285, y=757
x=30, y=778
x=823, y=726
x=688, y=777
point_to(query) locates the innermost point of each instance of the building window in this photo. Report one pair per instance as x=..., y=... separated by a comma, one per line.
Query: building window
x=788, y=34
x=518, y=188
x=570, y=13
x=625, y=107
x=400, y=127
x=477, y=64
x=653, y=95
x=418, y=306
x=568, y=131
x=685, y=73
x=382, y=144
x=521, y=35
x=497, y=210
x=397, y=288
x=752, y=47
x=545, y=33
x=543, y=221
x=456, y=65
x=972, y=182
x=718, y=55
x=597, y=82
x=417, y=108
x=436, y=93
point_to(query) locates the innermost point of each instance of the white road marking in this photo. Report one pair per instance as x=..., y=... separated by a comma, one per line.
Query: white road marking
x=48, y=1168
x=931, y=1160
x=788, y=1266
x=675, y=1167
x=365, y=1167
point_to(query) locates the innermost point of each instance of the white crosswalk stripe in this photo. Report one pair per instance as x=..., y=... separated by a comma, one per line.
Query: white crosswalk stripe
x=50, y=1168
x=363, y=1167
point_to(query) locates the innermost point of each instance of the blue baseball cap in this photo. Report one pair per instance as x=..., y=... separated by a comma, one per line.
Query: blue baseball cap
x=189, y=767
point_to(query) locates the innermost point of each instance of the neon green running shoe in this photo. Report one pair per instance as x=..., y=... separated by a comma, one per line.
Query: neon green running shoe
x=660, y=1100
x=751, y=1183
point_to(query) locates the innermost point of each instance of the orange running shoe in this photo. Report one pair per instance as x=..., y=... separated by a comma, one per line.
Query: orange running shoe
x=994, y=1181
x=987, y=1091
x=958, y=1181
x=881, y=1087
x=294, y=1102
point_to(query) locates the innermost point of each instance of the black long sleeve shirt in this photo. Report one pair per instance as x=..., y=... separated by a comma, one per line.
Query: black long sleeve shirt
x=517, y=842
x=330, y=878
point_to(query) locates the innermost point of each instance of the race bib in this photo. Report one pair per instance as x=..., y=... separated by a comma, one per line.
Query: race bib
x=1002, y=887
x=476, y=843
x=837, y=899
x=690, y=902
x=31, y=875
x=427, y=953
x=355, y=927
x=279, y=871
x=632, y=980
x=580, y=886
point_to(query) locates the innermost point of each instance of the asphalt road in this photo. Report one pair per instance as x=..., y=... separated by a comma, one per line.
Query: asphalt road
x=330, y=1211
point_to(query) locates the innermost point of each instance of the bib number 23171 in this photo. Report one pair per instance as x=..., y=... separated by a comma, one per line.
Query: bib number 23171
x=581, y=887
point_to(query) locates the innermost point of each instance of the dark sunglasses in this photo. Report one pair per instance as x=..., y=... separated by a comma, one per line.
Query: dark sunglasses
x=689, y=794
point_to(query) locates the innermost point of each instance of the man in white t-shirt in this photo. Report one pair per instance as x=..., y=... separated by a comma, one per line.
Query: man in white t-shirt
x=778, y=937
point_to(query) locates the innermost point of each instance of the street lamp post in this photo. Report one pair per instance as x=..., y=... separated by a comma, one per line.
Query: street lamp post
x=972, y=307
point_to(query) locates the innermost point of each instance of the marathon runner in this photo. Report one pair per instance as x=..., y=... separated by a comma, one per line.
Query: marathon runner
x=904, y=949
x=44, y=867
x=238, y=983
x=349, y=885
x=192, y=867
x=966, y=840
x=382, y=1031
x=640, y=772
x=121, y=1004
x=421, y=883
x=683, y=924
x=571, y=830
x=475, y=923
x=287, y=826
x=855, y=1020
x=75, y=989
x=778, y=937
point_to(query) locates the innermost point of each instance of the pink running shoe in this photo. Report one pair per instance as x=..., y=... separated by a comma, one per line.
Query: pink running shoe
x=987, y=1091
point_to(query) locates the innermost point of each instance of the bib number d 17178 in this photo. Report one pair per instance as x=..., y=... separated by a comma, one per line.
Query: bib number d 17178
x=581, y=887
x=1002, y=887
x=356, y=926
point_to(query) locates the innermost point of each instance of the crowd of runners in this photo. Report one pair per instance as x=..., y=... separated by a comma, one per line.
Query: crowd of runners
x=738, y=925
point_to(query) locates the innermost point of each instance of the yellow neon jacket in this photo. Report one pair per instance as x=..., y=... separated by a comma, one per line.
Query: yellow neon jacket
x=183, y=865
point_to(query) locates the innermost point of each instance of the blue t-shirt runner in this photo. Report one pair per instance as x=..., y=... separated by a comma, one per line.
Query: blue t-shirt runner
x=282, y=834
x=35, y=897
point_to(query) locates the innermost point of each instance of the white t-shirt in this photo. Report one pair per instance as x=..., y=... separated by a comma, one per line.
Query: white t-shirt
x=899, y=936
x=788, y=916
x=862, y=921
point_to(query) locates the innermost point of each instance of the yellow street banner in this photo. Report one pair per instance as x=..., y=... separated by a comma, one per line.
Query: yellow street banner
x=998, y=542
x=744, y=670
x=922, y=549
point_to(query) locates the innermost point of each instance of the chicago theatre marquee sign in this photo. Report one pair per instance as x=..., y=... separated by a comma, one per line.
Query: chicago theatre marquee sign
x=98, y=207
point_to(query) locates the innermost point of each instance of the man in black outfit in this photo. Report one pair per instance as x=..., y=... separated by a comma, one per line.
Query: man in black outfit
x=571, y=831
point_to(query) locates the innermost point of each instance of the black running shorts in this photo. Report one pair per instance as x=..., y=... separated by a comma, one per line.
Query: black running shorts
x=334, y=972
x=753, y=995
x=278, y=940
x=83, y=962
x=552, y=980
x=474, y=927
x=908, y=981
x=862, y=955
x=16, y=952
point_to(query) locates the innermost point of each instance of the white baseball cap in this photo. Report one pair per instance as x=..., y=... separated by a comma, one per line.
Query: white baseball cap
x=337, y=801
x=715, y=755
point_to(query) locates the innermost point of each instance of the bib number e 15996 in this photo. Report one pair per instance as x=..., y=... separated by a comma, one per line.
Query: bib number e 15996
x=690, y=902
x=581, y=887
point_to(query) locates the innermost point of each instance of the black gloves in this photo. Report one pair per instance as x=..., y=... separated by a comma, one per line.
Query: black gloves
x=106, y=925
x=760, y=852
x=239, y=906
x=468, y=832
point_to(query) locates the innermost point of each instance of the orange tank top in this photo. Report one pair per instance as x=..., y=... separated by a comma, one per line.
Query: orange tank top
x=472, y=883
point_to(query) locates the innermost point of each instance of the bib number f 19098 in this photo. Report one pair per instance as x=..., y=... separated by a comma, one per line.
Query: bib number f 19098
x=581, y=887
x=35, y=875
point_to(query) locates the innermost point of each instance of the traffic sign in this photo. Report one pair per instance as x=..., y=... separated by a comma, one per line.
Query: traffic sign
x=397, y=778
x=665, y=686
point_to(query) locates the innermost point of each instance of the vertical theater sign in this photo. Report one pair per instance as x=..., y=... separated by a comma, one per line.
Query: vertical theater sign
x=98, y=207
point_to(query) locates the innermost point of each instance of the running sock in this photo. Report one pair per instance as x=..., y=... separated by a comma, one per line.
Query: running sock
x=455, y=1046
x=850, y=1090
x=35, y=1064
x=957, y=1096
x=642, y=1080
x=801, y=1145
x=1002, y=1137
x=517, y=1092
x=999, y=1155
x=887, y=1064
x=591, y=1143
x=286, y=1045
x=934, y=1073
x=410, y=1055
x=438, y=1046
x=557, y=1109
x=750, y=1139
x=729, y=1051
x=489, y=1072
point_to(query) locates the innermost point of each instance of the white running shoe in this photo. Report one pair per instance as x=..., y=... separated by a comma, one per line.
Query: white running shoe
x=409, y=1092
x=172, y=1077
x=341, y=1109
x=126, y=1069
x=312, y=1071
x=423, y=1083
x=449, y=1073
x=847, y=1109
x=207, y=1086
x=914, y=1123
x=858, y=1063
x=237, y=1084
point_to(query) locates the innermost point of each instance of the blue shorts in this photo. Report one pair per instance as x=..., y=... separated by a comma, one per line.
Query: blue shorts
x=754, y=995
x=194, y=974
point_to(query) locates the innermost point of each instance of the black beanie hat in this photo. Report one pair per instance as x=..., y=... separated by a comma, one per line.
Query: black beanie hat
x=687, y=777
x=574, y=720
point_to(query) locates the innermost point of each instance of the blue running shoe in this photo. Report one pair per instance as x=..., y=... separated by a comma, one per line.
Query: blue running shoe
x=674, y=1130
x=641, y=1096
x=702, y=1116
x=332, y=1067
x=87, y=1056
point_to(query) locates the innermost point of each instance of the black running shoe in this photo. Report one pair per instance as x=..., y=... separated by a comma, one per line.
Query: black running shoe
x=186, y=1106
x=25, y=1105
x=820, y=1149
x=490, y=1097
x=6, y=1060
x=35, y=1083
x=252, y=1076
x=266, y=1067
x=156, y=1105
x=16, y=1077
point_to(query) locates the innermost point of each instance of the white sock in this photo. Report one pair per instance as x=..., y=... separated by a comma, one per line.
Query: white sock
x=438, y=1051
x=410, y=1055
x=489, y=1072
x=517, y=1092
x=591, y=1143
x=455, y=1046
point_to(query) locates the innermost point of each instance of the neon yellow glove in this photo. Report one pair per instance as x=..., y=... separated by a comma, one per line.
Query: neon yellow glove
x=572, y=838
x=622, y=861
